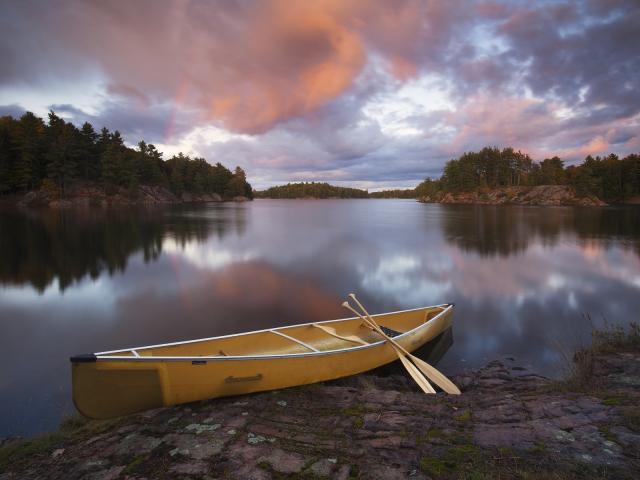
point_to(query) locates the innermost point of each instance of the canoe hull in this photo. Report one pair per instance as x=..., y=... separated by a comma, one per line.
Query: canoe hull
x=106, y=389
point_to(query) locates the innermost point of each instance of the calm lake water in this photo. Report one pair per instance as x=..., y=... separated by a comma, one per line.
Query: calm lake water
x=521, y=277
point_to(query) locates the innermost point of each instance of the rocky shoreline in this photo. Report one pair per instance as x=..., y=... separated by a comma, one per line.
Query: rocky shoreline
x=541, y=195
x=92, y=195
x=509, y=422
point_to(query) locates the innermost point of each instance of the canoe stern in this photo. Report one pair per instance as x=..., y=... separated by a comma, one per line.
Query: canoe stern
x=139, y=387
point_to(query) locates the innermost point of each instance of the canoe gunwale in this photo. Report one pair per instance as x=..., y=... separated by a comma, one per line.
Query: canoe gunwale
x=106, y=356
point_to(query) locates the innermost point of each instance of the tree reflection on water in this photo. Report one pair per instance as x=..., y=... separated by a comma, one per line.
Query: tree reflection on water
x=509, y=230
x=40, y=246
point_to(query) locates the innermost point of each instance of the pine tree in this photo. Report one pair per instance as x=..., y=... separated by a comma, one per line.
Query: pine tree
x=89, y=163
x=552, y=171
x=155, y=173
x=236, y=186
x=62, y=152
x=6, y=155
x=29, y=159
x=128, y=177
x=110, y=164
x=176, y=179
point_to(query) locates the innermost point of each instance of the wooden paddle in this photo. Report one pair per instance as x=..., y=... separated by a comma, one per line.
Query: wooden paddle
x=419, y=378
x=431, y=372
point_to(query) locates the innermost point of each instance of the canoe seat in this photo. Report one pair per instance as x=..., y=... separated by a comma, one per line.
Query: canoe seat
x=390, y=332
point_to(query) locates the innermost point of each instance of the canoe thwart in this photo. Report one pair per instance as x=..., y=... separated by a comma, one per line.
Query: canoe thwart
x=299, y=342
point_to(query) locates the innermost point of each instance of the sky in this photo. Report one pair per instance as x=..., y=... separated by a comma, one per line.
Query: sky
x=372, y=94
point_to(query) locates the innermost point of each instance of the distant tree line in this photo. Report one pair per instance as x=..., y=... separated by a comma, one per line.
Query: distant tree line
x=311, y=190
x=396, y=193
x=55, y=154
x=325, y=190
x=610, y=178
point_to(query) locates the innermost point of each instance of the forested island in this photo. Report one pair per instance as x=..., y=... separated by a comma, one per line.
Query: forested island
x=509, y=176
x=323, y=190
x=55, y=162
x=311, y=190
x=395, y=193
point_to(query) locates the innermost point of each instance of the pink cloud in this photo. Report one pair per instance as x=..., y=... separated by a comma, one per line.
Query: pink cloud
x=487, y=120
x=248, y=66
x=536, y=126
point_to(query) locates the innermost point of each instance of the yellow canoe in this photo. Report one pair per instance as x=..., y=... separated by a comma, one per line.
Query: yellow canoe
x=120, y=382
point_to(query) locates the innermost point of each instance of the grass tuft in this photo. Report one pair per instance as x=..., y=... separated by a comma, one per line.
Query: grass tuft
x=614, y=338
x=609, y=339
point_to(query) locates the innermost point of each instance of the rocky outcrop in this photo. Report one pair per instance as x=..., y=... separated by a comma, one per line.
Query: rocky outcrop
x=508, y=422
x=542, y=195
x=204, y=197
x=90, y=195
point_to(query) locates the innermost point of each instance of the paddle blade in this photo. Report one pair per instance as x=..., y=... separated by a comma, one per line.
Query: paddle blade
x=436, y=376
x=422, y=382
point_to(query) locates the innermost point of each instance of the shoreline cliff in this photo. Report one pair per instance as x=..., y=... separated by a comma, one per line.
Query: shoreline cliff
x=90, y=195
x=541, y=195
